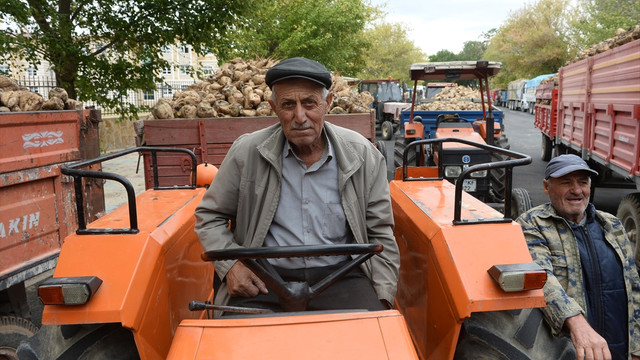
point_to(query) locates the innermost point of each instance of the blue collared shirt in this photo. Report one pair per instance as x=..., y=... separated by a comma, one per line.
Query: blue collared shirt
x=309, y=211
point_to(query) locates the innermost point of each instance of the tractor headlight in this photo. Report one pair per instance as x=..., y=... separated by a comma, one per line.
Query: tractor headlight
x=479, y=174
x=452, y=171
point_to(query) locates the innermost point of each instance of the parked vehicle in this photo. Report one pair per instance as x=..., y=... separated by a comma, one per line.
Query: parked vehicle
x=598, y=118
x=529, y=97
x=515, y=94
x=496, y=96
x=389, y=100
x=37, y=208
x=143, y=285
x=478, y=126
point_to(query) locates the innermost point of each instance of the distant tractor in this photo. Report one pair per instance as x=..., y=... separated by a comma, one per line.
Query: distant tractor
x=389, y=100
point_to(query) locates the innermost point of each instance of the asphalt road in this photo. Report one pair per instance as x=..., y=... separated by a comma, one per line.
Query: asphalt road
x=525, y=138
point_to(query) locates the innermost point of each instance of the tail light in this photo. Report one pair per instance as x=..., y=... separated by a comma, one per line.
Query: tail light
x=68, y=290
x=519, y=277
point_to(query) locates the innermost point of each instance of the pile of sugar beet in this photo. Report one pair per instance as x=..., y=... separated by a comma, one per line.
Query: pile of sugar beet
x=238, y=88
x=15, y=98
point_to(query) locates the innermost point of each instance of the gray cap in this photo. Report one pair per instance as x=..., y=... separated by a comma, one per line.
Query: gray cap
x=564, y=164
x=298, y=67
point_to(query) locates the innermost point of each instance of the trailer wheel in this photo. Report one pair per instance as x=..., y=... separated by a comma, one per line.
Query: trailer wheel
x=511, y=335
x=386, y=129
x=547, y=148
x=82, y=342
x=398, y=150
x=382, y=147
x=14, y=330
x=629, y=214
x=520, y=202
x=496, y=176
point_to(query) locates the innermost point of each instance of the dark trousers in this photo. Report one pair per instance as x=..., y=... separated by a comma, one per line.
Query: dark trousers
x=353, y=291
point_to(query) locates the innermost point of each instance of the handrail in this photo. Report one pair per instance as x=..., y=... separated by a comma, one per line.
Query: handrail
x=77, y=174
x=519, y=159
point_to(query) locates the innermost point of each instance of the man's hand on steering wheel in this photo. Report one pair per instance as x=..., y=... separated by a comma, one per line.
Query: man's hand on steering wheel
x=243, y=282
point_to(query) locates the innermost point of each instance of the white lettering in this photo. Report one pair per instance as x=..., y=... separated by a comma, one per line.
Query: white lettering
x=13, y=226
x=34, y=219
x=29, y=222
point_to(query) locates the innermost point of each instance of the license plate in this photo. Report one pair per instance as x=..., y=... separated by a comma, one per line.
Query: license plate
x=469, y=185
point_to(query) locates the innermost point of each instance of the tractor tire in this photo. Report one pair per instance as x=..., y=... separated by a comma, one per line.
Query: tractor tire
x=629, y=213
x=382, y=147
x=511, y=335
x=398, y=150
x=14, y=330
x=386, y=130
x=82, y=342
x=496, y=176
x=520, y=202
x=547, y=148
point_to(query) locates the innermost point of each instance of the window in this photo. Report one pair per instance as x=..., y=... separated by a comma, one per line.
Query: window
x=166, y=49
x=32, y=72
x=149, y=95
x=167, y=90
x=184, y=69
x=167, y=71
x=33, y=89
x=184, y=49
x=183, y=87
x=5, y=69
x=207, y=69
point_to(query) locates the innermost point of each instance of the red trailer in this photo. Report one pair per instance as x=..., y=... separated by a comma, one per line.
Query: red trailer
x=37, y=207
x=211, y=138
x=546, y=116
x=598, y=118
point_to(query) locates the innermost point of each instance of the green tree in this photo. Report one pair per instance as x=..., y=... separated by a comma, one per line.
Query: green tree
x=472, y=50
x=328, y=31
x=595, y=21
x=530, y=42
x=391, y=53
x=99, y=50
x=443, y=55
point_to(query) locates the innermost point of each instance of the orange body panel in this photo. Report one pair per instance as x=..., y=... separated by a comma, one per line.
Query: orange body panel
x=414, y=130
x=148, y=278
x=348, y=335
x=443, y=273
x=459, y=133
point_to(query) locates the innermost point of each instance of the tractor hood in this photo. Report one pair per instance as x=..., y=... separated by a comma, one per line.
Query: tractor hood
x=321, y=335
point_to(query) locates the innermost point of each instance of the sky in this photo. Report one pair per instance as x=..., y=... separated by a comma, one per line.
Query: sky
x=435, y=25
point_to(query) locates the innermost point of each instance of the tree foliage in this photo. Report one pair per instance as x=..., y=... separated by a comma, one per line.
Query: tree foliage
x=101, y=49
x=595, y=21
x=530, y=42
x=472, y=50
x=328, y=31
x=391, y=53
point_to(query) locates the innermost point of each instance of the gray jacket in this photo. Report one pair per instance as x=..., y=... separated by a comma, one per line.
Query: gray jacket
x=246, y=191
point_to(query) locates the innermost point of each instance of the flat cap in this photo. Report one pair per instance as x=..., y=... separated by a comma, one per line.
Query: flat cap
x=299, y=67
x=564, y=164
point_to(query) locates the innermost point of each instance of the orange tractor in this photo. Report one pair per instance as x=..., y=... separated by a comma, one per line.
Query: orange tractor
x=137, y=284
x=481, y=126
x=133, y=284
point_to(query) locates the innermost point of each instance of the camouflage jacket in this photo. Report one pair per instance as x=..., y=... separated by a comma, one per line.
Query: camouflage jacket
x=554, y=247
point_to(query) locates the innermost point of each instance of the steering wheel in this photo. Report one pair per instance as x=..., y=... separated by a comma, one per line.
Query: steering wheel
x=294, y=296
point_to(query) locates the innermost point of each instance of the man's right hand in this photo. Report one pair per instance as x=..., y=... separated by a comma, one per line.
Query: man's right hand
x=588, y=343
x=243, y=282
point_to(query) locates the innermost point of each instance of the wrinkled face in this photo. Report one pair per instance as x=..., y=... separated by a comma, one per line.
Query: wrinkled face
x=300, y=107
x=569, y=194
